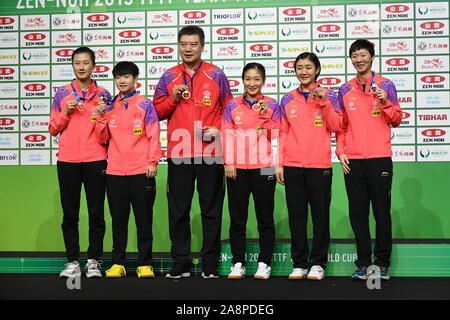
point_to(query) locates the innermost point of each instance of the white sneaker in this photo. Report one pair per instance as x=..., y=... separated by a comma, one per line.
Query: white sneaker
x=298, y=273
x=316, y=273
x=93, y=268
x=263, y=271
x=71, y=269
x=237, y=271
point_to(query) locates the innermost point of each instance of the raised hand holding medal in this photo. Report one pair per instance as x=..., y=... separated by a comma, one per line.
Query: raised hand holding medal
x=260, y=106
x=101, y=106
x=179, y=92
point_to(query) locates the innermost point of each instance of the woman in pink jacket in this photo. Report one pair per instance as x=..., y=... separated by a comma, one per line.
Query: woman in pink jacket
x=309, y=114
x=248, y=124
x=81, y=161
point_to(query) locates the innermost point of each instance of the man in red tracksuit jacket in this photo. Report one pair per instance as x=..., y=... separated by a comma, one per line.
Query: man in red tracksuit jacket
x=192, y=96
x=370, y=108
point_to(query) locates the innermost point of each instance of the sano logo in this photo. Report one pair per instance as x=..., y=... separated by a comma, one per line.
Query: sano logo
x=194, y=15
x=261, y=47
x=396, y=62
x=434, y=132
x=397, y=8
x=35, y=36
x=432, y=79
x=328, y=28
x=35, y=87
x=130, y=34
x=432, y=25
x=35, y=138
x=294, y=12
x=98, y=18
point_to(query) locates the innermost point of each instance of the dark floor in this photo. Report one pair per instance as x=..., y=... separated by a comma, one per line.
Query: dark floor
x=50, y=287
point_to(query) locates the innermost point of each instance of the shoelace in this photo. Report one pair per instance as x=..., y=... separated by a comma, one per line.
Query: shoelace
x=236, y=268
x=96, y=265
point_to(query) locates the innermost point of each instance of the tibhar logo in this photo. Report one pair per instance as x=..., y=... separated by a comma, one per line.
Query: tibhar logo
x=74, y=282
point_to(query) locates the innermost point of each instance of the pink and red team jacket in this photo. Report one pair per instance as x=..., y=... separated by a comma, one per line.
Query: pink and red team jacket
x=133, y=135
x=77, y=141
x=210, y=92
x=246, y=134
x=366, y=131
x=306, y=127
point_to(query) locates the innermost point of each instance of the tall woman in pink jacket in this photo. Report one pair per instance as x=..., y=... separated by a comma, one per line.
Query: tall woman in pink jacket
x=309, y=114
x=248, y=124
x=81, y=161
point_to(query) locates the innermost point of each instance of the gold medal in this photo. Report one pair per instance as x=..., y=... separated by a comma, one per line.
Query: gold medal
x=373, y=87
x=80, y=106
x=256, y=107
x=314, y=93
x=186, y=94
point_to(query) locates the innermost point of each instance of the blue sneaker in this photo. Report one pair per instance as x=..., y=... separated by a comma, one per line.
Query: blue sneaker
x=360, y=274
x=384, y=274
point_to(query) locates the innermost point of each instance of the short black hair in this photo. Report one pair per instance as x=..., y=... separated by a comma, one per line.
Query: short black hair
x=84, y=50
x=192, y=30
x=254, y=65
x=311, y=56
x=362, y=44
x=124, y=68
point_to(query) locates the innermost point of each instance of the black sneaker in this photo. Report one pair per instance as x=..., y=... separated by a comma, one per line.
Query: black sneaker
x=210, y=273
x=178, y=272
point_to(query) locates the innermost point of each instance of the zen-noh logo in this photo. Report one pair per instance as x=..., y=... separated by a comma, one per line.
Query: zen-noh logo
x=432, y=25
x=433, y=132
x=261, y=47
x=130, y=34
x=98, y=18
x=227, y=31
x=162, y=50
x=395, y=62
x=433, y=79
x=35, y=87
x=233, y=83
x=397, y=8
x=294, y=12
x=6, y=121
x=194, y=15
x=35, y=138
x=432, y=28
x=6, y=20
x=35, y=36
x=289, y=64
x=294, y=15
x=64, y=53
x=328, y=28
x=329, y=81
x=7, y=23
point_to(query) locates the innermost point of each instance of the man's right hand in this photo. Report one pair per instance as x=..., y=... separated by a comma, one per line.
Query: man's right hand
x=344, y=163
x=70, y=106
x=177, y=91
